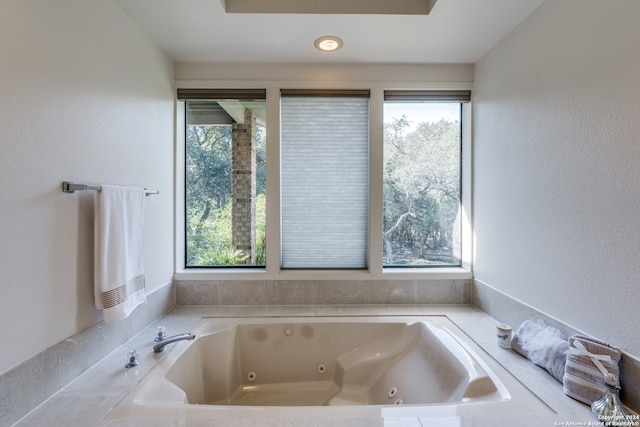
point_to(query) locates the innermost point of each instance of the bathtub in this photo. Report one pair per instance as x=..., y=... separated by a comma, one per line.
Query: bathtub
x=326, y=367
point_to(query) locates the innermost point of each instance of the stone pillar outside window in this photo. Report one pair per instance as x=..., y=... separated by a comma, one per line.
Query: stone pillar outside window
x=243, y=175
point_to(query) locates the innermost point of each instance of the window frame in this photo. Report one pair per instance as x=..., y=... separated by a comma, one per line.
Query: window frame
x=459, y=97
x=273, y=270
x=211, y=95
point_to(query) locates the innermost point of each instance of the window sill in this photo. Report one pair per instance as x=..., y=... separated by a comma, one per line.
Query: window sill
x=204, y=274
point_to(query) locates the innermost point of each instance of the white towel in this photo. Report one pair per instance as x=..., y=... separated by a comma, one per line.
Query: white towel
x=118, y=249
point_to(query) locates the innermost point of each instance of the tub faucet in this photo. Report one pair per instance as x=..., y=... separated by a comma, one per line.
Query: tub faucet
x=158, y=348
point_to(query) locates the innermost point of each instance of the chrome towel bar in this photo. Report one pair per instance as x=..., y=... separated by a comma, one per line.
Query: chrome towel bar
x=70, y=187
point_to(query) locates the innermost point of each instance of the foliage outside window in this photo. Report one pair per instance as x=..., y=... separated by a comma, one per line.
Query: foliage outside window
x=422, y=145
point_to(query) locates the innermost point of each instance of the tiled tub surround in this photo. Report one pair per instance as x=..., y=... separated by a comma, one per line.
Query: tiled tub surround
x=27, y=385
x=88, y=400
x=321, y=292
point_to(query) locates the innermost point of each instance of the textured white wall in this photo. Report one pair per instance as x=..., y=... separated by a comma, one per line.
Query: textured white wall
x=84, y=96
x=556, y=166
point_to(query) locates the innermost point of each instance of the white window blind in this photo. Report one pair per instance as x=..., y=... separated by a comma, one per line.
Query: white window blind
x=324, y=179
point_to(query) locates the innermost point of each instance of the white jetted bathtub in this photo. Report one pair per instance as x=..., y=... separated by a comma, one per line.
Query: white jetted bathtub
x=325, y=366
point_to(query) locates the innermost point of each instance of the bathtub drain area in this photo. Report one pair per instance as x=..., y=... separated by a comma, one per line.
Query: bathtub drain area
x=315, y=393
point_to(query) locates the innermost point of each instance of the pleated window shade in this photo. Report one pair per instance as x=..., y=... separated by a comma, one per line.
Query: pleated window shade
x=324, y=179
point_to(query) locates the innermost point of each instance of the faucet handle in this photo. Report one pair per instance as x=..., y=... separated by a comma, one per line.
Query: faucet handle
x=132, y=357
x=162, y=334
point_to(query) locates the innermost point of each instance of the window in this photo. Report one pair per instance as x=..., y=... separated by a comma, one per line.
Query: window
x=375, y=193
x=225, y=178
x=324, y=179
x=422, y=178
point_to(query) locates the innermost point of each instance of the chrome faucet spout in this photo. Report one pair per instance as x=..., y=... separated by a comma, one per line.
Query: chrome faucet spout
x=159, y=347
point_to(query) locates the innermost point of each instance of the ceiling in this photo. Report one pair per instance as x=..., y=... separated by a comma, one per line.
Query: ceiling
x=455, y=32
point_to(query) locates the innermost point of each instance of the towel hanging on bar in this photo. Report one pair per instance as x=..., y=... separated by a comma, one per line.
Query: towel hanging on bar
x=70, y=187
x=119, y=283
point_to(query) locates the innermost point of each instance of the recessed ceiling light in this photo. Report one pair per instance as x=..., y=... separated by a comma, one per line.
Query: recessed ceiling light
x=328, y=43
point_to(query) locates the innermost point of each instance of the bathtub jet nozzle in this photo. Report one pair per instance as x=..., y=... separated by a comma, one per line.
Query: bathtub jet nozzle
x=159, y=348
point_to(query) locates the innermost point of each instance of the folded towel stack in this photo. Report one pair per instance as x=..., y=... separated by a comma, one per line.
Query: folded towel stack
x=588, y=361
x=543, y=345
